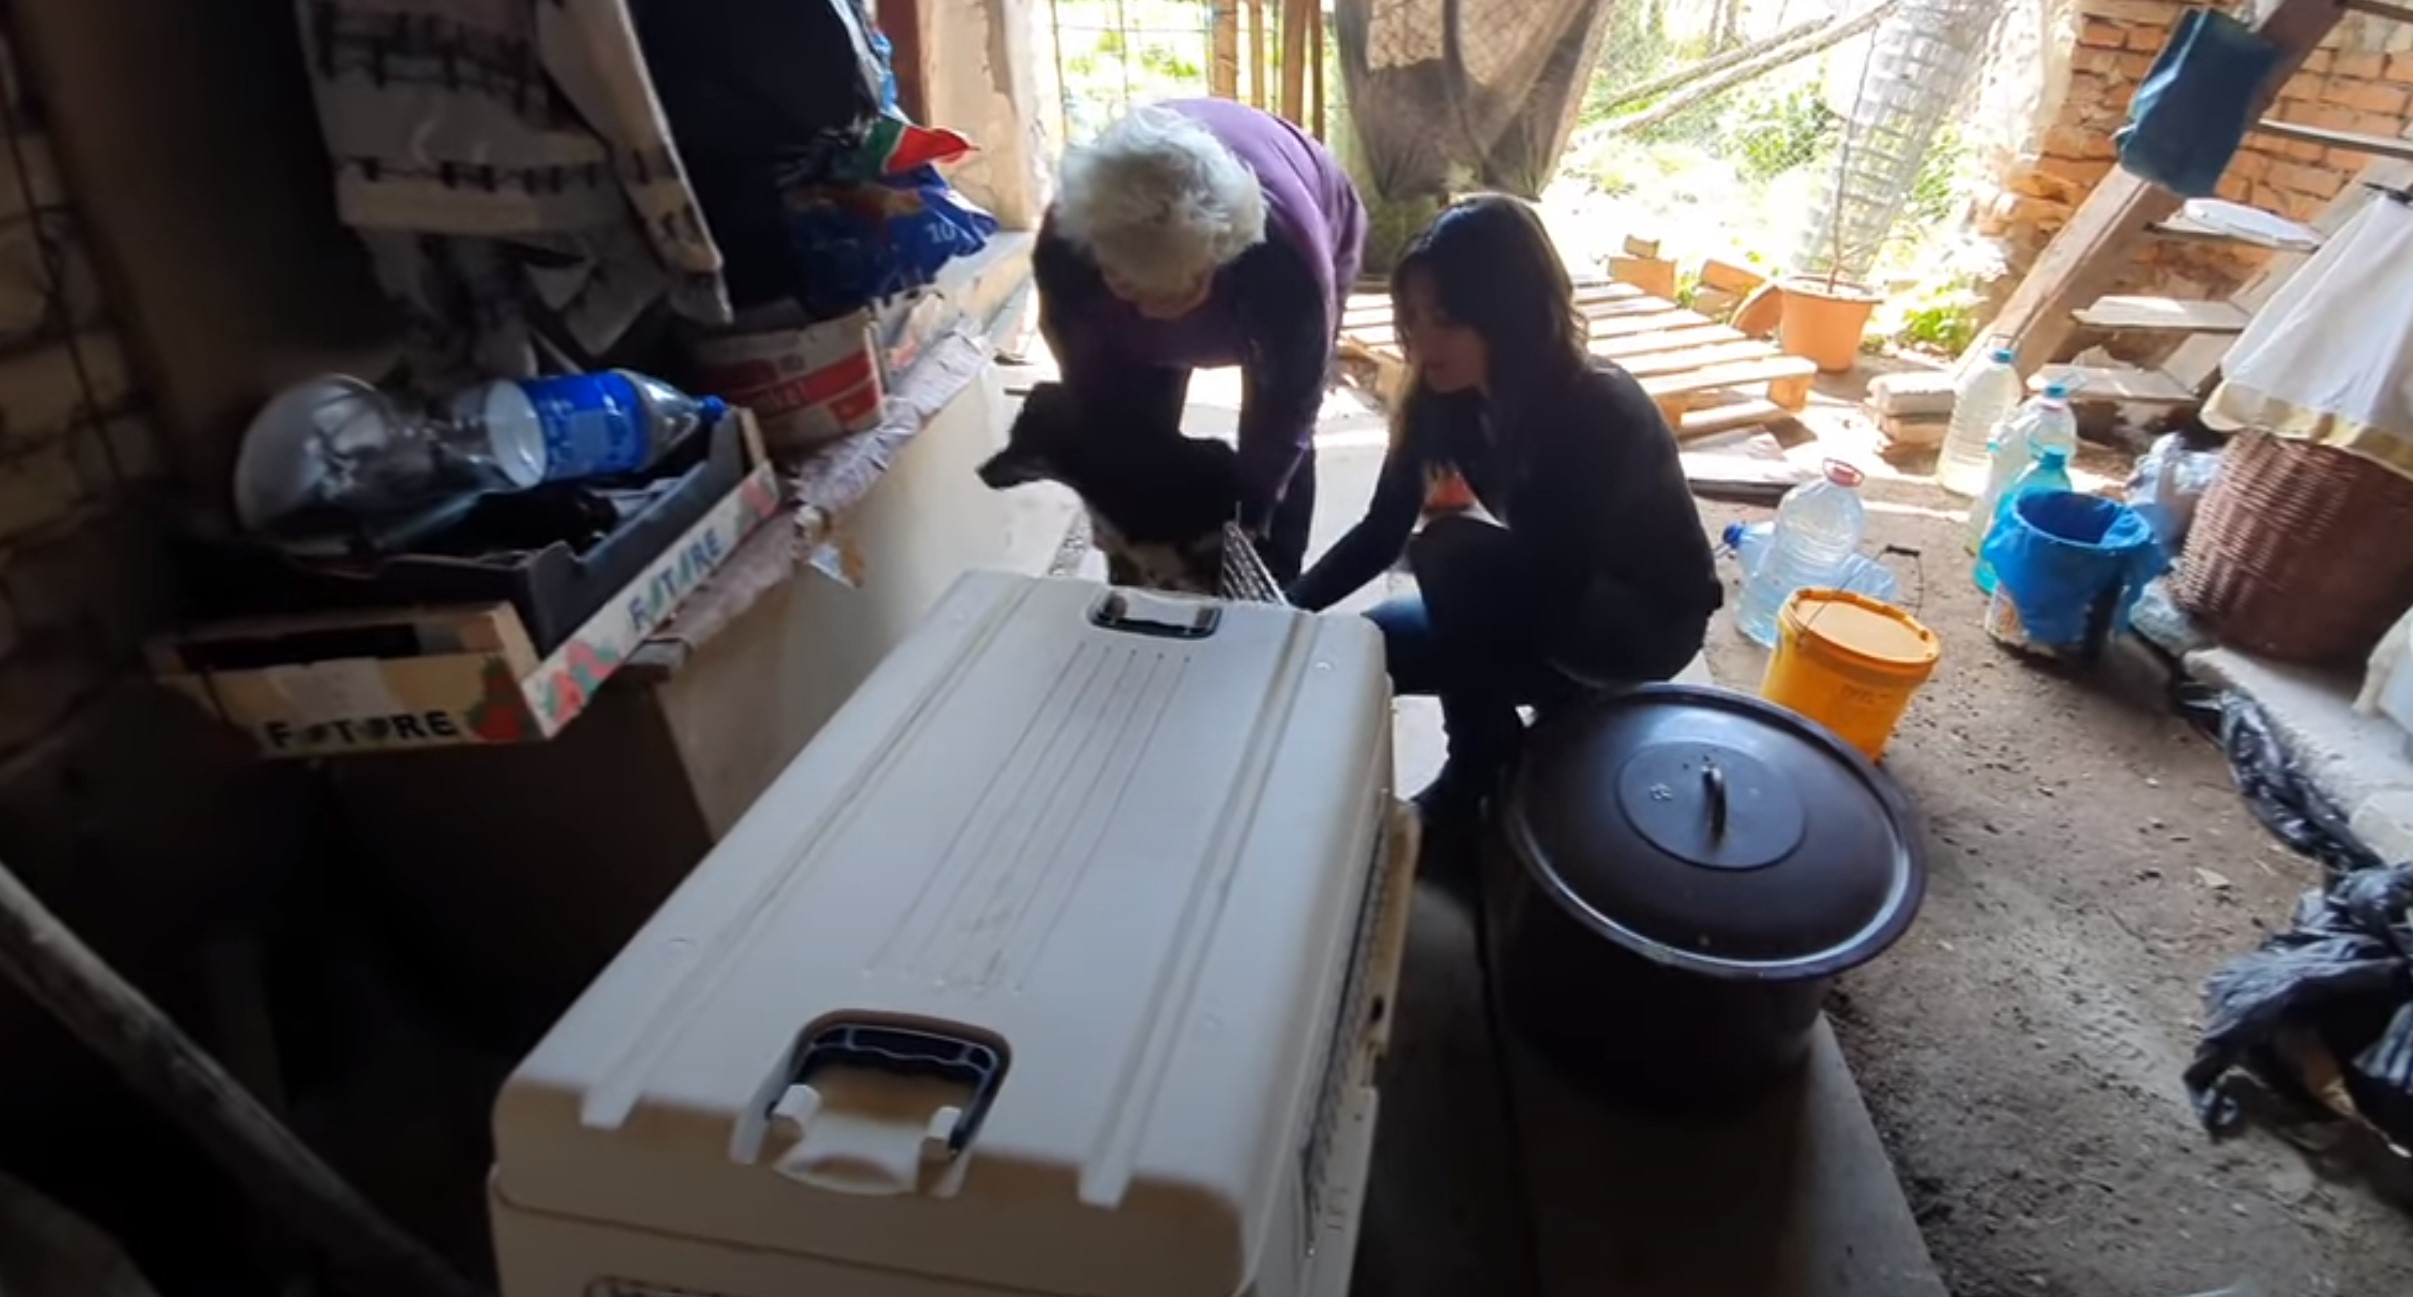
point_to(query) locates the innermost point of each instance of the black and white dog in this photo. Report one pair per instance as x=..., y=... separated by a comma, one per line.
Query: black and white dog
x=1158, y=501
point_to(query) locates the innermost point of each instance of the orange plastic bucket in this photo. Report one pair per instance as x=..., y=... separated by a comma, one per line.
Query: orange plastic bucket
x=1849, y=662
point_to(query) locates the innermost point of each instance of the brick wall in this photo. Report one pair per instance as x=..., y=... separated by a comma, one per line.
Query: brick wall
x=2360, y=80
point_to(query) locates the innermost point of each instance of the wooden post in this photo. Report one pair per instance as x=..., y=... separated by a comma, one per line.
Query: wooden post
x=1223, y=66
x=2089, y=253
x=2076, y=267
x=1315, y=71
x=1256, y=53
x=901, y=22
x=1294, y=59
x=162, y=1064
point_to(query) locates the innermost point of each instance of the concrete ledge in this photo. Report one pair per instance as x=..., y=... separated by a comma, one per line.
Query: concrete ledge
x=1792, y=1195
x=2358, y=762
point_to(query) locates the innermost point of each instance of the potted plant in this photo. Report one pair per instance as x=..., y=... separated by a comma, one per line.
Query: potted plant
x=1824, y=316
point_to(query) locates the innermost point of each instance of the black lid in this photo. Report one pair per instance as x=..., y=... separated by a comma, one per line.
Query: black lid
x=1708, y=829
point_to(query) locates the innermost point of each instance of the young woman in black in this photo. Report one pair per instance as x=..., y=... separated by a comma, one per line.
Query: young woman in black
x=1592, y=568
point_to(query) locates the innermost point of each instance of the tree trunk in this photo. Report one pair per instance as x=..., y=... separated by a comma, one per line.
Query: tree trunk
x=1754, y=68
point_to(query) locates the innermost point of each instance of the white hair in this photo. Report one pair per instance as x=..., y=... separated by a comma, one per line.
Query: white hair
x=1158, y=202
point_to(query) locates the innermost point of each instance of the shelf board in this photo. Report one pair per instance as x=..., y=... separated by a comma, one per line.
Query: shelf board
x=2116, y=385
x=2185, y=228
x=2377, y=145
x=2144, y=314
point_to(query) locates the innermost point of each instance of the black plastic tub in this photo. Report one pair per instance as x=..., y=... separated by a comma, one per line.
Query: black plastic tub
x=1676, y=875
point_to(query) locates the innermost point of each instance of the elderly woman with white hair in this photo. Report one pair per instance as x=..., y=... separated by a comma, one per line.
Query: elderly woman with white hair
x=1202, y=233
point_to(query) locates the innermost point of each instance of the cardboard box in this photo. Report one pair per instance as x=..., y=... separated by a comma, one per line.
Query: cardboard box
x=807, y=384
x=343, y=682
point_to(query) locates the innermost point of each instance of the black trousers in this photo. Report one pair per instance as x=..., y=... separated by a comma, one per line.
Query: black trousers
x=1487, y=634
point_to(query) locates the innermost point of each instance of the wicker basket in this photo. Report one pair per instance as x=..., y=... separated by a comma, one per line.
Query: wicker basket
x=2299, y=552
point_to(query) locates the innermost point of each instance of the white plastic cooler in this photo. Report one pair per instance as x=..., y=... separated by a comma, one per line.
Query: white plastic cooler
x=1054, y=965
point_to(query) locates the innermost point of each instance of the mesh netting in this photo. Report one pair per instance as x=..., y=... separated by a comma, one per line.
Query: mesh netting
x=1450, y=94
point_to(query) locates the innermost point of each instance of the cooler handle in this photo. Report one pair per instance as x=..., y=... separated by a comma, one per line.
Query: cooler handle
x=1135, y=612
x=908, y=1051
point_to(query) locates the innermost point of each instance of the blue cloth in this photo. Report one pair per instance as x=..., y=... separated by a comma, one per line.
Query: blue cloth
x=2196, y=103
x=2072, y=565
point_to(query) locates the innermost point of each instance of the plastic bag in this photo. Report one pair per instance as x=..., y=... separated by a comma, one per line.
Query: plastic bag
x=855, y=243
x=2157, y=617
x=2322, y=1014
x=2167, y=483
x=2191, y=112
x=2382, y=664
x=878, y=220
x=2279, y=795
x=2071, y=565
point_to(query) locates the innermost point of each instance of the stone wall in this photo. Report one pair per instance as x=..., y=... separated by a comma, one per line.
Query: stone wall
x=2361, y=80
x=978, y=66
x=153, y=276
x=80, y=575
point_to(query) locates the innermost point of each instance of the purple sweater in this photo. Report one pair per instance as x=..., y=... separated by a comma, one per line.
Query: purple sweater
x=1274, y=310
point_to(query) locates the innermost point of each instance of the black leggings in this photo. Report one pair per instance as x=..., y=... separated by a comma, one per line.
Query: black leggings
x=1484, y=631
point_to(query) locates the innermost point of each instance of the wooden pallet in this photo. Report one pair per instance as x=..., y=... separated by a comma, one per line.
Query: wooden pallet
x=1705, y=376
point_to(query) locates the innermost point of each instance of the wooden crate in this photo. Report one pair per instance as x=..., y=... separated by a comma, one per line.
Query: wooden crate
x=335, y=683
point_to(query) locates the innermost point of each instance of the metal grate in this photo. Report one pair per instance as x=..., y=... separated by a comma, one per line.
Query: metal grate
x=1347, y=1034
x=1245, y=578
x=1107, y=55
x=1920, y=63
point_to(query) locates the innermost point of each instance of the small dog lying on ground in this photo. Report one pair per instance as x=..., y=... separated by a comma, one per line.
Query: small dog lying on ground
x=1158, y=501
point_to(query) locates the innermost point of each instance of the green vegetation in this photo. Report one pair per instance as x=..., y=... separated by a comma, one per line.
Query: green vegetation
x=1739, y=173
x=1769, y=135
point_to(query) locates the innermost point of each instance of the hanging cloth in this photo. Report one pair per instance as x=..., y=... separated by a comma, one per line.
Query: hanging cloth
x=1448, y=94
x=2330, y=358
x=2193, y=108
x=502, y=158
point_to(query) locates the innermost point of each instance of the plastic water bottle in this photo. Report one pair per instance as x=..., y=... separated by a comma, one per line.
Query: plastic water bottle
x=2043, y=423
x=1749, y=541
x=1818, y=529
x=1860, y=575
x=578, y=426
x=1987, y=391
x=2050, y=472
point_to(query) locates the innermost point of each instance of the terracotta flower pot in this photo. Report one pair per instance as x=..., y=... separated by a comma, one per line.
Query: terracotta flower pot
x=1823, y=324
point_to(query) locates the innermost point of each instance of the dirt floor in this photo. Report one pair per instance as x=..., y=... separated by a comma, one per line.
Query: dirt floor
x=2021, y=1050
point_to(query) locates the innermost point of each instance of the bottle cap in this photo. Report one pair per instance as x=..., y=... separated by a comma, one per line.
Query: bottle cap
x=2003, y=356
x=1842, y=474
x=2057, y=390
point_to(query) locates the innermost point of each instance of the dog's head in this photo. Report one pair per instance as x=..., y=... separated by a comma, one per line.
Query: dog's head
x=1045, y=434
x=1157, y=500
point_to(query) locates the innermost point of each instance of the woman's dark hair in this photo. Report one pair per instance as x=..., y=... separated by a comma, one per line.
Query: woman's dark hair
x=1494, y=270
